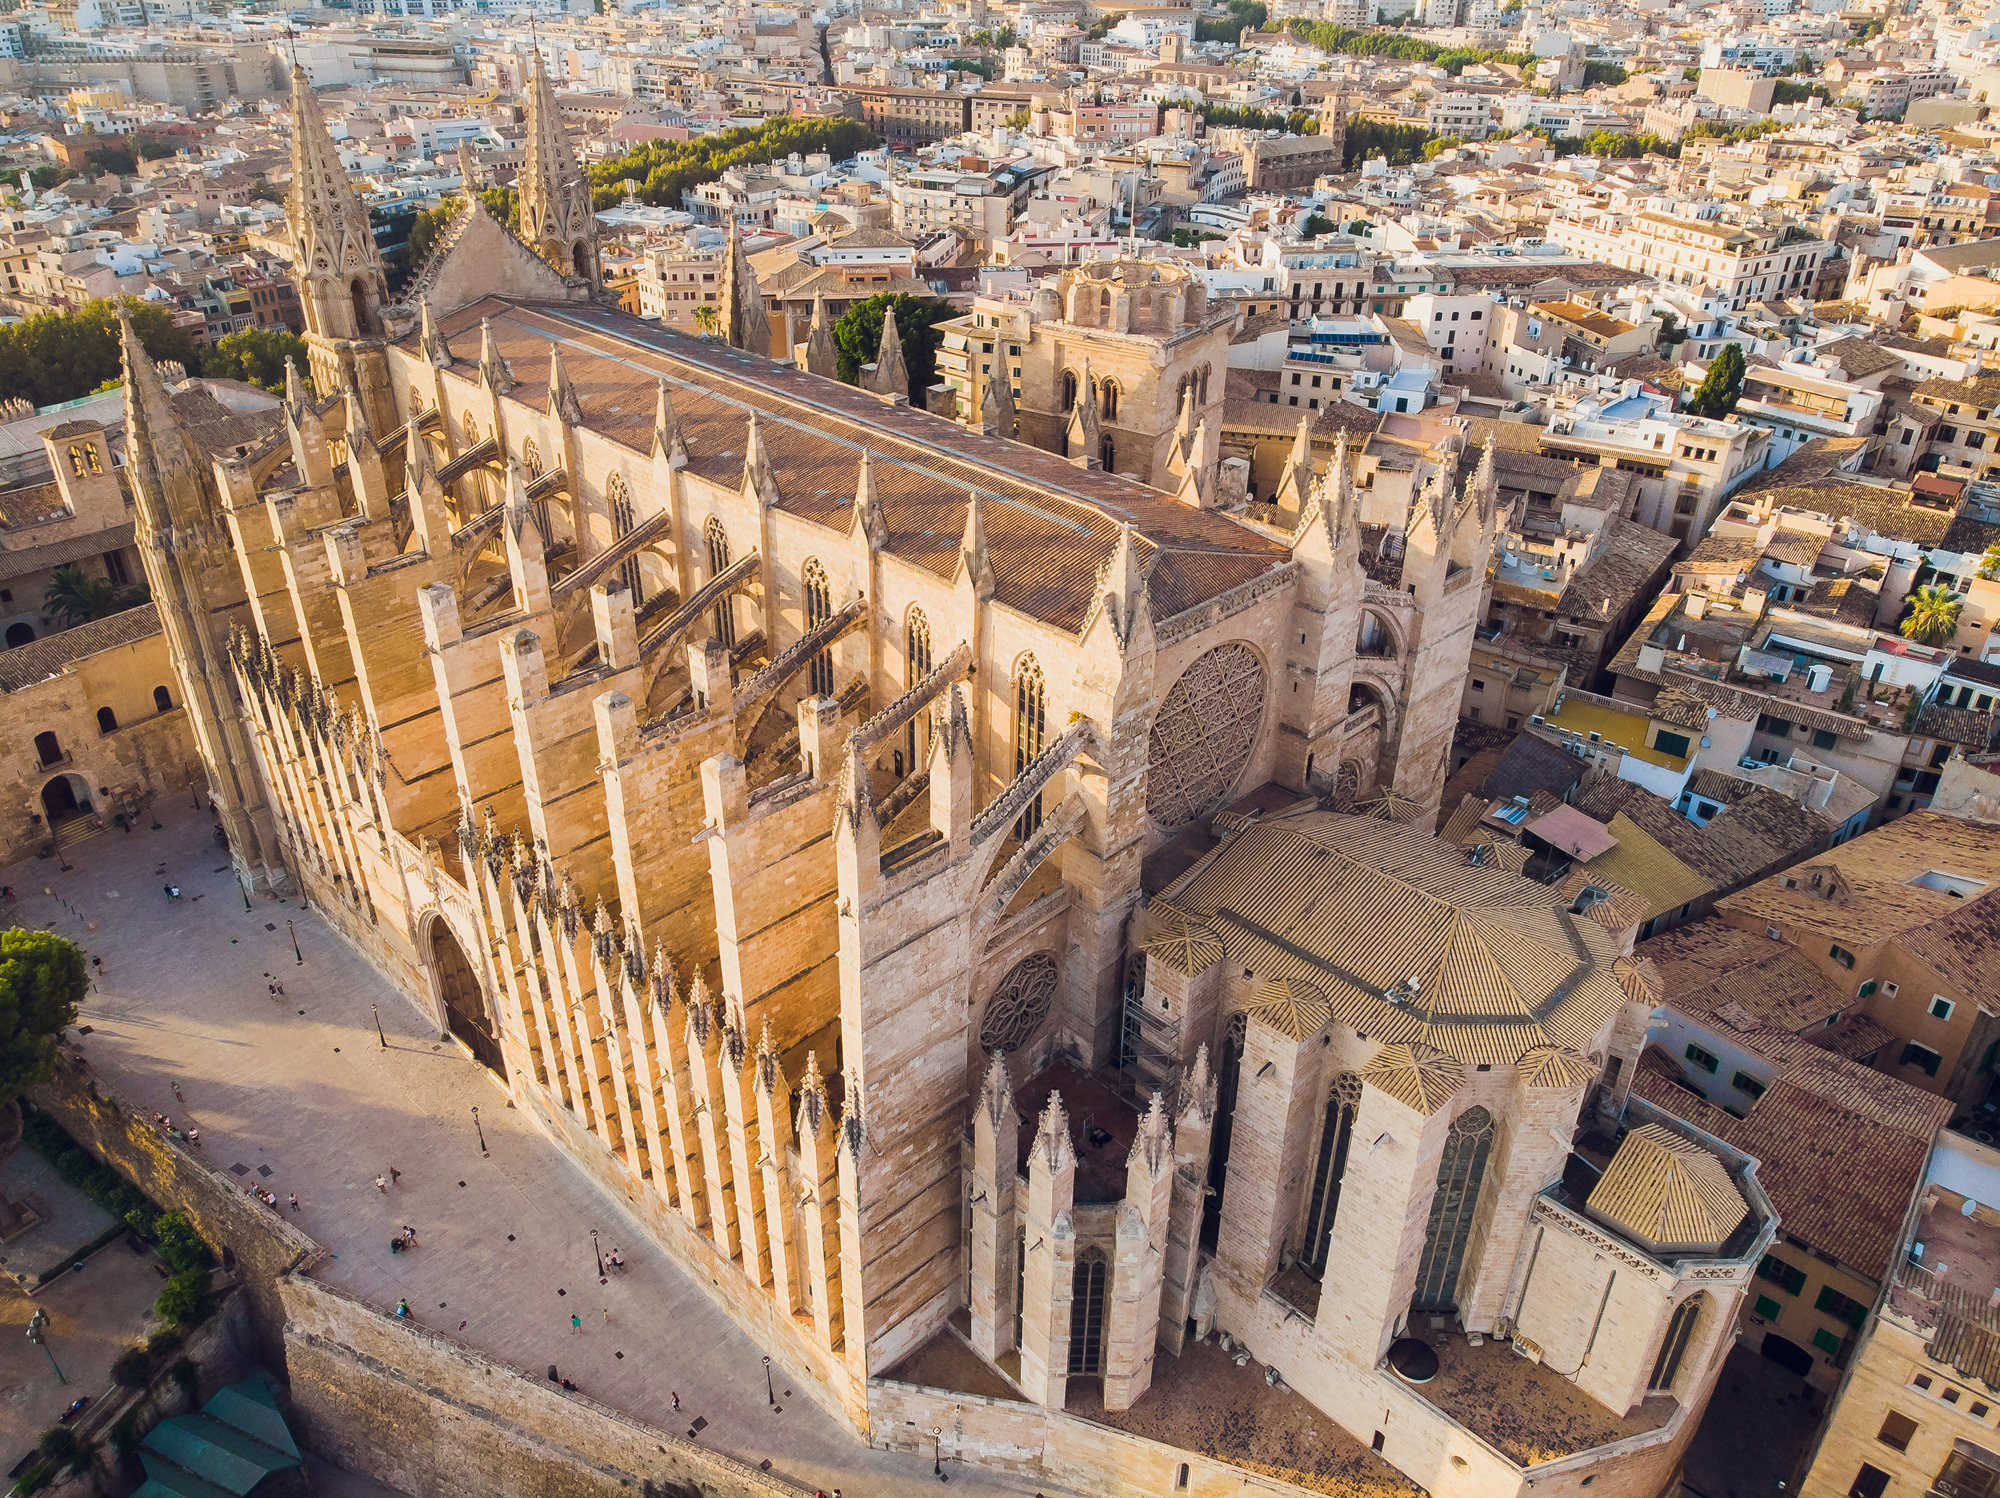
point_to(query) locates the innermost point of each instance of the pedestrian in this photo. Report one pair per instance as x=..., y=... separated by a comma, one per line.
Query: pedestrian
x=677, y=1399
x=575, y=1323
x=607, y=1315
x=395, y=1176
x=194, y=1136
x=177, y=1095
x=295, y=1201
x=402, y=1306
x=409, y=1235
x=382, y=1184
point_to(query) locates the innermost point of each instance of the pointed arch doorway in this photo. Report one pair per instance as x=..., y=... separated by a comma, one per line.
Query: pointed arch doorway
x=464, y=1004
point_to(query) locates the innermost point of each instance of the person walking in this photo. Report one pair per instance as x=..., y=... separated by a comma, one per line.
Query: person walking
x=403, y=1306
x=177, y=1095
x=677, y=1399
x=395, y=1176
x=382, y=1184
x=575, y=1323
x=607, y=1315
x=295, y=1201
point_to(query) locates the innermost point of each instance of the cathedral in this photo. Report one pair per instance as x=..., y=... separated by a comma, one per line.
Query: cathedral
x=950, y=887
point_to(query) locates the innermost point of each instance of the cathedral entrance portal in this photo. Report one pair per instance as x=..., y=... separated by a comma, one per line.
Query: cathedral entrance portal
x=464, y=1006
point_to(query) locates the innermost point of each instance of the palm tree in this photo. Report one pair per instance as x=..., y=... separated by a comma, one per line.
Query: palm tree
x=706, y=320
x=78, y=599
x=1930, y=615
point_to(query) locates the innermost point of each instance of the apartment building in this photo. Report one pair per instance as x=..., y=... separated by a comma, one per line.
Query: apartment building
x=913, y=116
x=1744, y=264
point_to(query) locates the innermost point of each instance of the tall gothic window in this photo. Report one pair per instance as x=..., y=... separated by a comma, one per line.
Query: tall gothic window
x=1460, y=1173
x=1086, y=1313
x=1031, y=726
x=718, y=563
x=1336, y=1136
x=917, y=665
x=819, y=609
x=1235, y=1036
x=1068, y=391
x=1107, y=399
x=1667, y=1368
x=620, y=502
x=531, y=461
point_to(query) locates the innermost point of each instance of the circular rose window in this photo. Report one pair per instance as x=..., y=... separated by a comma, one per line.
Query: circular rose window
x=1203, y=734
x=1019, y=1004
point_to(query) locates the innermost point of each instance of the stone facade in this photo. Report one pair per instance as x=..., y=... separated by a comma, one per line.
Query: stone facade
x=761, y=777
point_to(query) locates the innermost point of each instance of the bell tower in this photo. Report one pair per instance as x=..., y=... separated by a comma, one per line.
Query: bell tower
x=342, y=286
x=557, y=218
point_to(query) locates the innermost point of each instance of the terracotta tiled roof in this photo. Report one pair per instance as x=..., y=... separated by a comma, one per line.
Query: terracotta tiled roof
x=1049, y=525
x=1708, y=965
x=1555, y=1068
x=37, y=661
x=1485, y=964
x=1642, y=864
x=1668, y=1192
x=1415, y=1075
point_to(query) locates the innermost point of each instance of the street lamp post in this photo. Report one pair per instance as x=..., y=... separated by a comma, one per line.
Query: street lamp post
x=38, y=1334
x=770, y=1392
x=937, y=1452
x=482, y=1132
x=600, y=1258
x=377, y=1012
x=295, y=943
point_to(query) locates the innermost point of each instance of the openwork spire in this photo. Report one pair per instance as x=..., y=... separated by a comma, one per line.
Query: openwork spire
x=745, y=324
x=556, y=214
x=344, y=285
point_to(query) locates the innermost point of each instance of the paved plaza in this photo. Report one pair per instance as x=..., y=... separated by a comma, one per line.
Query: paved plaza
x=295, y=1092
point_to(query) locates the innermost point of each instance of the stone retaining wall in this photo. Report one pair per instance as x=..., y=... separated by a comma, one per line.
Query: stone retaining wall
x=257, y=1243
x=422, y=1413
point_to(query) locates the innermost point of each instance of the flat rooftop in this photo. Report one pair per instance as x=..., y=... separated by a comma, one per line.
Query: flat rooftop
x=1529, y=1413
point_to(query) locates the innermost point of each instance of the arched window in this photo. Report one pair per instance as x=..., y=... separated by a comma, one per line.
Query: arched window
x=1086, y=1313
x=76, y=460
x=163, y=700
x=19, y=634
x=531, y=459
x=1031, y=726
x=1235, y=1036
x=580, y=258
x=48, y=749
x=1668, y=1366
x=718, y=563
x=1068, y=390
x=107, y=720
x=1107, y=455
x=364, y=323
x=819, y=608
x=916, y=666
x=90, y=457
x=618, y=500
x=416, y=398
x=1336, y=1135
x=471, y=429
x=1460, y=1173
x=1201, y=398
x=1107, y=399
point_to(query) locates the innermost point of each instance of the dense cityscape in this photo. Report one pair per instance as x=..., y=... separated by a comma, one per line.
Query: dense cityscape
x=1145, y=749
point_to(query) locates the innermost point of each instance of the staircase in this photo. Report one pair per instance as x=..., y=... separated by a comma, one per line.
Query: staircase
x=78, y=828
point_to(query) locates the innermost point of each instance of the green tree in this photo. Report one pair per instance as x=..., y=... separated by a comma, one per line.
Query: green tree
x=46, y=177
x=859, y=337
x=118, y=160
x=180, y=1246
x=1438, y=145
x=1721, y=387
x=665, y=169
x=1315, y=226
x=1296, y=122
x=424, y=231
x=1400, y=144
x=255, y=355
x=1595, y=73
x=1930, y=614
x=155, y=150
x=43, y=978
x=504, y=204
x=1242, y=13
x=60, y=356
x=79, y=599
x=707, y=319
x=187, y=1298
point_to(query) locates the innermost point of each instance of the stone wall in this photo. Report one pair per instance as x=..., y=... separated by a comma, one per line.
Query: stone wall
x=1028, y=1439
x=423, y=1414
x=254, y=1241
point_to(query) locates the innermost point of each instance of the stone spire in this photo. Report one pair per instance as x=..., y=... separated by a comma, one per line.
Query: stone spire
x=1052, y=1141
x=563, y=402
x=891, y=376
x=745, y=324
x=867, y=516
x=166, y=480
x=972, y=546
x=556, y=214
x=343, y=285
x=822, y=353
x=667, y=429
x=997, y=417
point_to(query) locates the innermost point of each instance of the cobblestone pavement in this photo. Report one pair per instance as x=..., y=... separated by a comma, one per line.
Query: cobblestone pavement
x=297, y=1091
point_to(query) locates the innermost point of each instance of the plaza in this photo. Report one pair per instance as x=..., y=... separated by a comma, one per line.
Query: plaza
x=300, y=1086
